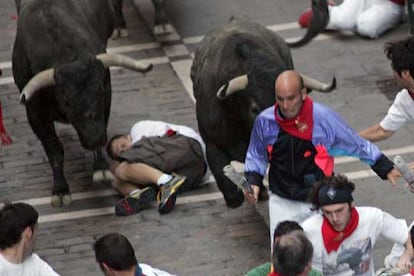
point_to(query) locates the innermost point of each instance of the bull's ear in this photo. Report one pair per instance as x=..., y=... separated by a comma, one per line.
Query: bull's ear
x=243, y=50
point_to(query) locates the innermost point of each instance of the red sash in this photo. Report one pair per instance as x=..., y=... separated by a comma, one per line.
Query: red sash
x=333, y=239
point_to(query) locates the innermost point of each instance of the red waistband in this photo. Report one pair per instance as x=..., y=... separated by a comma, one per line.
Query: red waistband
x=399, y=2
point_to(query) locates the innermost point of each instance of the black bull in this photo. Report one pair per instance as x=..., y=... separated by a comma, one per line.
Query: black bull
x=61, y=68
x=233, y=76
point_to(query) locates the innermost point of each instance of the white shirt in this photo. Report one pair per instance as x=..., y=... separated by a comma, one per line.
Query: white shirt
x=150, y=271
x=32, y=266
x=354, y=256
x=149, y=128
x=400, y=112
x=396, y=251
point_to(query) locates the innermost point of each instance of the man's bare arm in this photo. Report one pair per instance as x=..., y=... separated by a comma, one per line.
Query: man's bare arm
x=375, y=133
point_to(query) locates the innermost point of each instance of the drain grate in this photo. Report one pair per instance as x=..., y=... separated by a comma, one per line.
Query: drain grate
x=389, y=88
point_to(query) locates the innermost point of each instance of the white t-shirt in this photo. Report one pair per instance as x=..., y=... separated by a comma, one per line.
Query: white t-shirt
x=150, y=271
x=149, y=128
x=396, y=252
x=400, y=112
x=32, y=266
x=354, y=256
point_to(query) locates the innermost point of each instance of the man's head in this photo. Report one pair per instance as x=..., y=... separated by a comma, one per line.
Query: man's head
x=285, y=227
x=118, y=144
x=333, y=195
x=401, y=54
x=292, y=254
x=18, y=226
x=114, y=253
x=290, y=93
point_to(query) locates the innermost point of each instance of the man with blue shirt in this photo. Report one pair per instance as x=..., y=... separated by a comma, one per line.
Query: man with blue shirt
x=299, y=139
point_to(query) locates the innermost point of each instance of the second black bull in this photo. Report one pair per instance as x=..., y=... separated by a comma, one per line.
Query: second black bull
x=60, y=66
x=233, y=76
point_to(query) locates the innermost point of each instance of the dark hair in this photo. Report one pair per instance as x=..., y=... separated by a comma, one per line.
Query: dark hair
x=292, y=253
x=115, y=251
x=109, y=146
x=285, y=227
x=339, y=182
x=14, y=219
x=401, y=54
x=412, y=235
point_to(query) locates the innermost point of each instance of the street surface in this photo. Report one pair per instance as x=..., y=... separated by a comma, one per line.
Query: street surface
x=201, y=236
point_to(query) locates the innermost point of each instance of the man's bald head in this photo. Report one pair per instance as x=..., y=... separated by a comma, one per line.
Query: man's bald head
x=290, y=80
x=290, y=93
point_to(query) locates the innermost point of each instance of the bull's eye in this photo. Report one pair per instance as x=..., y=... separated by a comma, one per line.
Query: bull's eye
x=255, y=108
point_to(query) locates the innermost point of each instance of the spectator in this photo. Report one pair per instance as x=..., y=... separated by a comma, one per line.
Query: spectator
x=148, y=159
x=369, y=18
x=292, y=255
x=281, y=229
x=299, y=138
x=401, y=54
x=343, y=236
x=115, y=255
x=18, y=233
x=398, y=252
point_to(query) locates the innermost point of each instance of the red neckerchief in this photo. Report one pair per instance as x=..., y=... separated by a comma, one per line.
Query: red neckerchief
x=399, y=2
x=411, y=94
x=333, y=239
x=273, y=273
x=302, y=125
x=4, y=137
x=412, y=272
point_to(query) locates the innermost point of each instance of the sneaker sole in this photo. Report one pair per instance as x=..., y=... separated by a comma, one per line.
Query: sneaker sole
x=166, y=207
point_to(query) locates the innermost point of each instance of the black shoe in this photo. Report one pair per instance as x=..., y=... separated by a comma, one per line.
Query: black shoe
x=135, y=202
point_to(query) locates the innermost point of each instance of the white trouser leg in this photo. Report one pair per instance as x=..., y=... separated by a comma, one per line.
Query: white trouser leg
x=345, y=15
x=281, y=209
x=380, y=17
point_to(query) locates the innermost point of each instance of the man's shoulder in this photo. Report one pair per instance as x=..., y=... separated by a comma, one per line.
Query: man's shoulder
x=312, y=222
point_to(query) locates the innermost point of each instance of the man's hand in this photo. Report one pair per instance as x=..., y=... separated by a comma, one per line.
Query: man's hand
x=404, y=263
x=252, y=197
x=393, y=175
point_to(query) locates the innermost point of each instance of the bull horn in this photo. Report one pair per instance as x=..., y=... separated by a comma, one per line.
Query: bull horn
x=319, y=21
x=234, y=85
x=41, y=80
x=311, y=83
x=124, y=61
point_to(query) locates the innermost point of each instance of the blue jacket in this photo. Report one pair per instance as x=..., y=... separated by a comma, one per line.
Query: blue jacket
x=296, y=163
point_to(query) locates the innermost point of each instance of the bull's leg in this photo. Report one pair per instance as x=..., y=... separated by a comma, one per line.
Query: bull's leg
x=45, y=131
x=120, y=29
x=101, y=171
x=217, y=159
x=161, y=23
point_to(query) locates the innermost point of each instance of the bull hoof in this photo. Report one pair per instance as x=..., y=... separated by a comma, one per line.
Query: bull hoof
x=108, y=175
x=67, y=199
x=58, y=201
x=102, y=176
x=163, y=29
x=98, y=176
x=234, y=201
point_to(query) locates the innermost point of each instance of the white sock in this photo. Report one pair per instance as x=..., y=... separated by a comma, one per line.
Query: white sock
x=164, y=178
x=134, y=191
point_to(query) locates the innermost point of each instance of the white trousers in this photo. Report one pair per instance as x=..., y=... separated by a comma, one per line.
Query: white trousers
x=366, y=17
x=281, y=209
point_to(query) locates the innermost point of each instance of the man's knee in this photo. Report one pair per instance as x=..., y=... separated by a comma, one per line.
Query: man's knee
x=120, y=171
